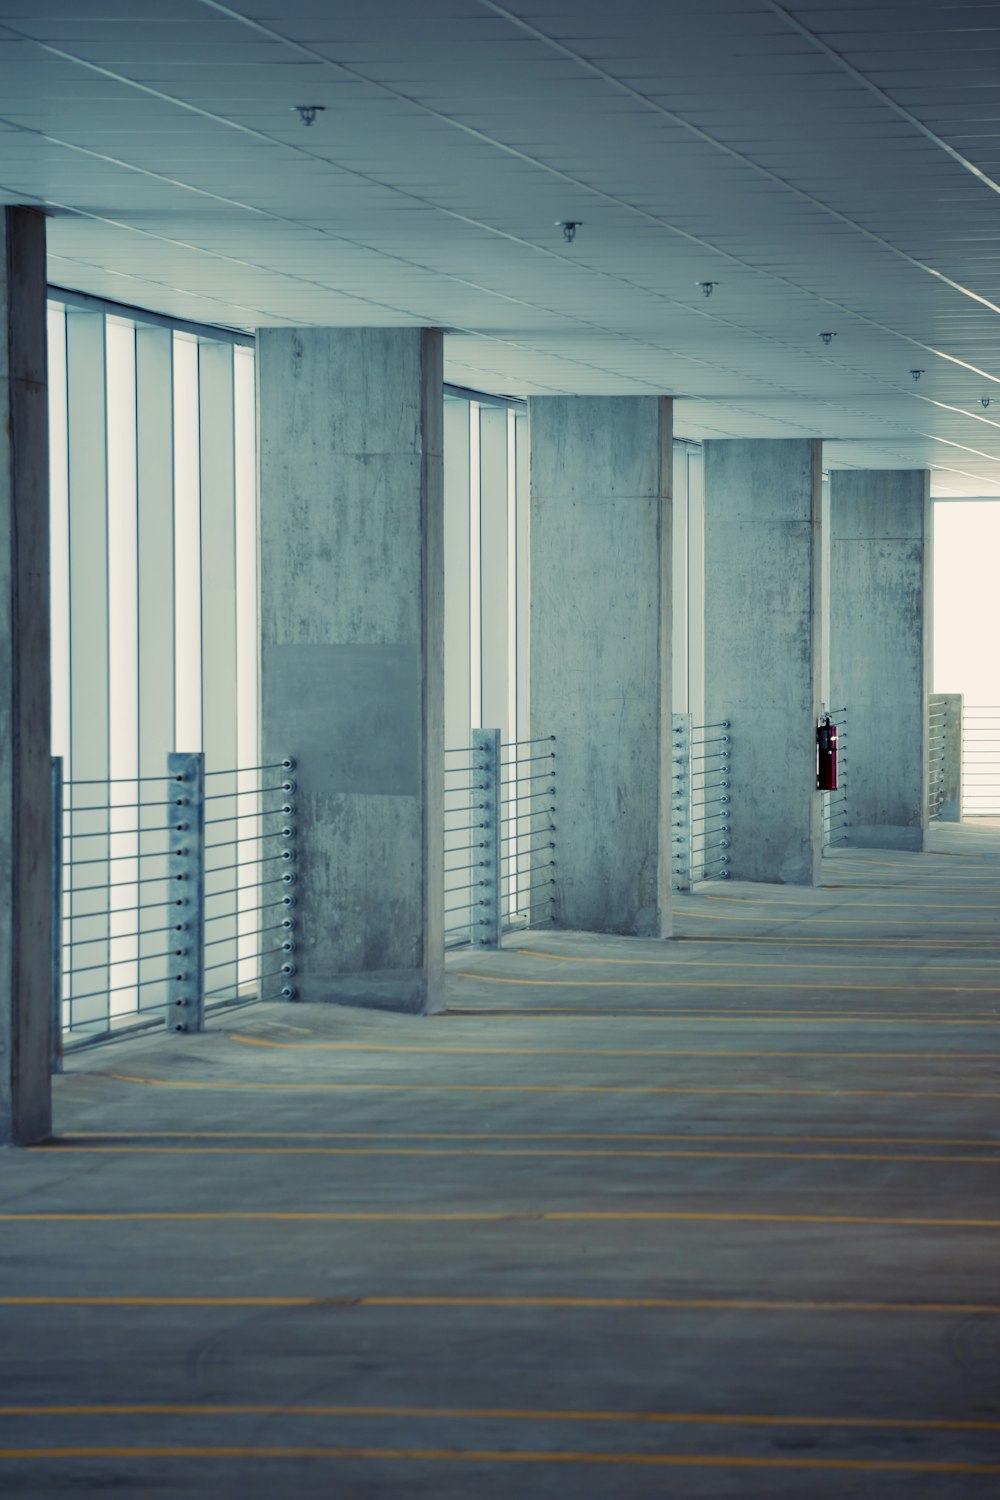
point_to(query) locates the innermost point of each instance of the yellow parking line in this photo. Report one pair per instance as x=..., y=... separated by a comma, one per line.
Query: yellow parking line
x=806, y=920
x=513, y=1151
x=749, y=1018
x=502, y=1414
x=725, y=984
x=520, y=1135
x=886, y=885
x=742, y=963
x=260, y=1453
x=476, y=1216
x=252, y=1041
x=803, y=905
x=544, y=1088
x=555, y=1303
x=902, y=943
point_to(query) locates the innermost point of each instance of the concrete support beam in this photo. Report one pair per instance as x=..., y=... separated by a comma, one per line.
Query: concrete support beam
x=880, y=642
x=763, y=632
x=352, y=670
x=25, y=739
x=601, y=651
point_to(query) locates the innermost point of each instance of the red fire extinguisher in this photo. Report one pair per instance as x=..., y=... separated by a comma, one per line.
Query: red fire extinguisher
x=826, y=755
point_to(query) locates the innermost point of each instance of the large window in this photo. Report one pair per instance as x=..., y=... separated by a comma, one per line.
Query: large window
x=486, y=568
x=154, y=618
x=154, y=606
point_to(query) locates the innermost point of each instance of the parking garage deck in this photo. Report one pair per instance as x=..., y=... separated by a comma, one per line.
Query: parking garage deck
x=709, y=1218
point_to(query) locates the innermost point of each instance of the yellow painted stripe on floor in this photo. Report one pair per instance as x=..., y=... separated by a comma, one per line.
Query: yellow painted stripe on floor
x=807, y=920
x=690, y=1012
x=253, y=1041
x=725, y=984
x=519, y=1135
x=504, y=1414
x=324, y=1086
x=259, y=1453
x=749, y=1018
x=475, y=1216
x=889, y=944
x=555, y=1303
x=803, y=904
x=737, y=963
x=979, y=886
x=518, y=1152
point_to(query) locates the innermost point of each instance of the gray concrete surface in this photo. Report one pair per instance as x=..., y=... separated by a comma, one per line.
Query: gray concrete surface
x=880, y=645
x=352, y=648
x=601, y=568
x=25, y=714
x=763, y=631
x=712, y=1218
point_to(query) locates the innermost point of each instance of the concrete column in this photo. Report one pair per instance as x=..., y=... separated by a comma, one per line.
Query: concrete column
x=352, y=677
x=763, y=633
x=880, y=613
x=25, y=739
x=601, y=650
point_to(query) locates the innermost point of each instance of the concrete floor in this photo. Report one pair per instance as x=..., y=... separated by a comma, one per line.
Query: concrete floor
x=710, y=1219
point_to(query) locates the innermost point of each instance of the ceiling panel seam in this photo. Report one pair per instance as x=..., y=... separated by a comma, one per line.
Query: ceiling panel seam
x=216, y=5
x=575, y=263
x=880, y=93
x=703, y=135
x=272, y=33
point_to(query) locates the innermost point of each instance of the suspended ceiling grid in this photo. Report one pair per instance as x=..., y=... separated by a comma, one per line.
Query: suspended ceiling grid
x=832, y=168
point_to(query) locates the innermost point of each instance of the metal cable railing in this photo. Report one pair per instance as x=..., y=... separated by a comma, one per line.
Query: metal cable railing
x=169, y=900
x=835, y=803
x=937, y=732
x=980, y=761
x=499, y=815
x=701, y=801
x=527, y=832
x=470, y=843
x=248, y=936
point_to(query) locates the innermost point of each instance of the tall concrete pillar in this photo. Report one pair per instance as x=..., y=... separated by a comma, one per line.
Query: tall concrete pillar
x=880, y=645
x=763, y=634
x=352, y=675
x=25, y=740
x=600, y=651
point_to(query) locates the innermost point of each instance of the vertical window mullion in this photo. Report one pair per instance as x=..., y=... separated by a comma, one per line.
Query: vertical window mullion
x=187, y=546
x=123, y=662
x=89, y=739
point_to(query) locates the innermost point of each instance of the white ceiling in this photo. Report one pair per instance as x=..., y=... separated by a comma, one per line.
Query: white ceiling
x=833, y=167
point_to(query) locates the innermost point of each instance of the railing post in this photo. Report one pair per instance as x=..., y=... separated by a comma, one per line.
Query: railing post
x=57, y=912
x=289, y=854
x=186, y=868
x=950, y=810
x=486, y=754
x=680, y=802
